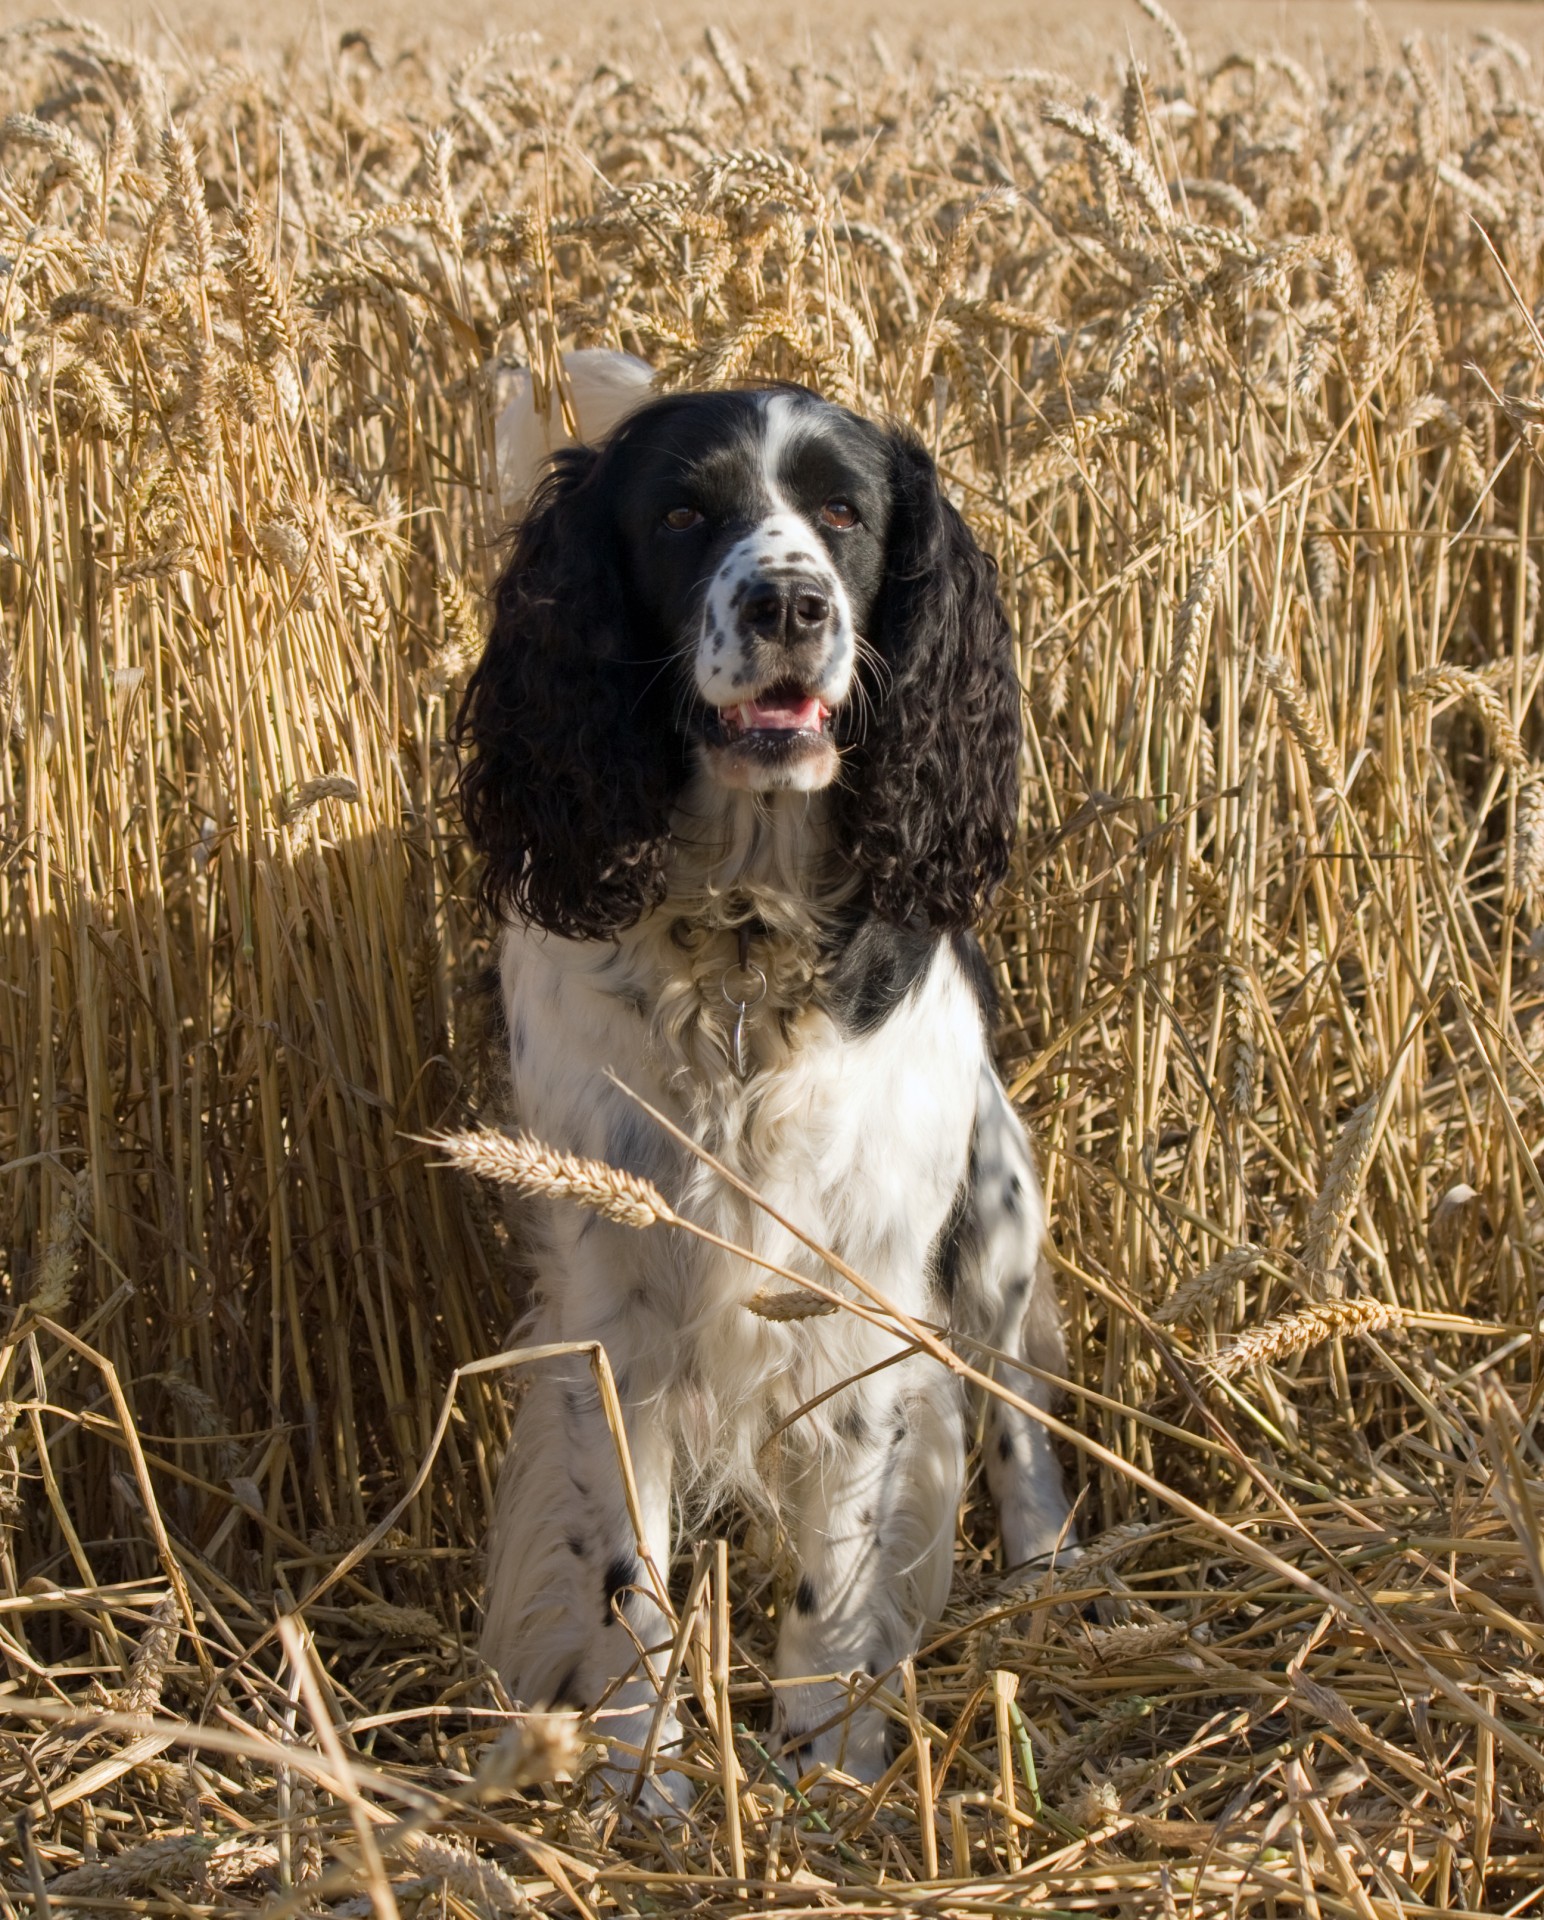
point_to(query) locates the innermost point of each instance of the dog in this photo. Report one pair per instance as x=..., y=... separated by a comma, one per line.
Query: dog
x=741, y=759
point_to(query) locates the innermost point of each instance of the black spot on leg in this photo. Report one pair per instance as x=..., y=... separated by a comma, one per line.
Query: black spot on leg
x=1016, y=1289
x=621, y=1573
x=851, y=1424
x=519, y=1040
x=1013, y=1187
x=1005, y=1445
x=805, y=1599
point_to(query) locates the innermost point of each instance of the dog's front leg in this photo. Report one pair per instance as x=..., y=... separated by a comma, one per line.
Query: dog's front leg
x=572, y=1613
x=873, y=1536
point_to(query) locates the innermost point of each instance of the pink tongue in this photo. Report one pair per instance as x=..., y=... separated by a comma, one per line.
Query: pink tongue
x=786, y=716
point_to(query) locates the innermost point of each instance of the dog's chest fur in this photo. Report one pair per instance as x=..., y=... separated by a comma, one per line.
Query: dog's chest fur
x=853, y=1121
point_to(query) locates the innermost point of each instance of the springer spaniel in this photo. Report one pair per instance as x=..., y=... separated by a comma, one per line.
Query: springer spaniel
x=742, y=760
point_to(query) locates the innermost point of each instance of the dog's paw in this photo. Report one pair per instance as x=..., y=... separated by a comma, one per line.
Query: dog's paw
x=855, y=1746
x=663, y=1793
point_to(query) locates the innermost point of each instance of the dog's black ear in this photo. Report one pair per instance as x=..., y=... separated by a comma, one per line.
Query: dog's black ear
x=567, y=773
x=930, y=792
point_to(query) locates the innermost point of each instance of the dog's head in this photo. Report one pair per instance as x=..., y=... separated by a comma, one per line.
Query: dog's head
x=762, y=589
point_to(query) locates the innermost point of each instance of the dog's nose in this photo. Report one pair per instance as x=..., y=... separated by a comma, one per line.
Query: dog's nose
x=786, y=610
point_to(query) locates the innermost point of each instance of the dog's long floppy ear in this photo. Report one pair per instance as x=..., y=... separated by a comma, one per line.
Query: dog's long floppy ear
x=567, y=771
x=930, y=790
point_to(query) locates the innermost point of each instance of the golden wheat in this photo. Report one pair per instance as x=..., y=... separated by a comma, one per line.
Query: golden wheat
x=535, y=1169
x=1232, y=363
x=1297, y=1332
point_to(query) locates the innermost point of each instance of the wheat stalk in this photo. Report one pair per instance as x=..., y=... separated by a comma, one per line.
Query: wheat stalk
x=1191, y=624
x=1240, y=1043
x=1528, y=843
x=1338, y=1197
x=787, y=1303
x=1297, y=1332
x=1482, y=699
x=1202, y=1290
x=536, y=1170
x=1303, y=721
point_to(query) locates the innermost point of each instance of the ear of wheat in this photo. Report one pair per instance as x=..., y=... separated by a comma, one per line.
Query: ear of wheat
x=536, y=1170
x=1297, y=1332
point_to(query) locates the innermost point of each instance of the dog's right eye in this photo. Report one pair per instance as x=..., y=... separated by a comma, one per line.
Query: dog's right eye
x=682, y=519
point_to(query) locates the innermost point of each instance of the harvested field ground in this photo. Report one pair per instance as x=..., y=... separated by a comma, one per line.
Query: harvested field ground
x=1233, y=360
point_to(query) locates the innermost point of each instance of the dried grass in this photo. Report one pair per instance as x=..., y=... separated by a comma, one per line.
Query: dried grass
x=1224, y=369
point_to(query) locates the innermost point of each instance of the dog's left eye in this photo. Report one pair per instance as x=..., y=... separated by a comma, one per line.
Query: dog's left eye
x=839, y=513
x=682, y=519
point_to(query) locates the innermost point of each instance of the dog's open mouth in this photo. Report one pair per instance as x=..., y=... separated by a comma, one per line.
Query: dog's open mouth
x=782, y=738
x=780, y=710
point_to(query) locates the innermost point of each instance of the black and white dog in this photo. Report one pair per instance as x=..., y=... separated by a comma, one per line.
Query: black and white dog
x=742, y=760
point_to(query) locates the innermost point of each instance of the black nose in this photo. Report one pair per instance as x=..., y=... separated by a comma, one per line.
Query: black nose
x=786, y=610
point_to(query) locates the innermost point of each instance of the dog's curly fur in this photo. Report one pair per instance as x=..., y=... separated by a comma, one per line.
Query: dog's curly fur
x=743, y=750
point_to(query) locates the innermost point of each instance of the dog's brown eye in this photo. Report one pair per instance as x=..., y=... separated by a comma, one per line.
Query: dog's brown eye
x=680, y=519
x=840, y=514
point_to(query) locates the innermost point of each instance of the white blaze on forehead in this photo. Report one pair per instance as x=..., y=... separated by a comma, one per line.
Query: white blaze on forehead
x=783, y=543
x=780, y=429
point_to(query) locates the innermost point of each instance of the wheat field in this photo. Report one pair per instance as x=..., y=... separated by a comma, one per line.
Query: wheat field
x=1234, y=363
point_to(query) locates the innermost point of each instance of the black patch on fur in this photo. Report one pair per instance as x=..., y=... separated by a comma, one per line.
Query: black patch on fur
x=566, y=1692
x=873, y=970
x=632, y=1143
x=1005, y=1445
x=576, y=1546
x=972, y=962
x=929, y=796
x=805, y=1600
x=520, y=1039
x=898, y=1434
x=621, y=1573
x=851, y=1424
x=570, y=759
x=956, y=1240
